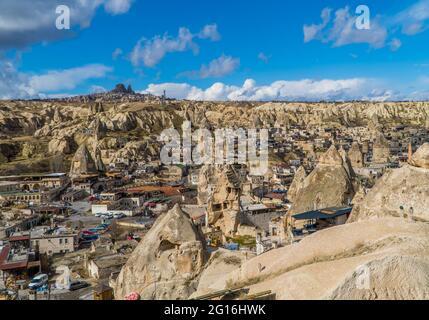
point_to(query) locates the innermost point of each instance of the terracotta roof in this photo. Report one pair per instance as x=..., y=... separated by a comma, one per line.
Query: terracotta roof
x=167, y=190
x=4, y=265
x=14, y=265
x=275, y=196
x=19, y=238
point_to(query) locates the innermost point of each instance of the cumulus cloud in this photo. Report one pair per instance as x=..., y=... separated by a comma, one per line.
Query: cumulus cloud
x=217, y=68
x=151, y=51
x=13, y=84
x=414, y=19
x=67, y=79
x=313, y=31
x=210, y=32
x=117, y=6
x=25, y=22
x=299, y=90
x=18, y=85
x=341, y=29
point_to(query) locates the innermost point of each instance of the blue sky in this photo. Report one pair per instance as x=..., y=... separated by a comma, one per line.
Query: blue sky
x=217, y=50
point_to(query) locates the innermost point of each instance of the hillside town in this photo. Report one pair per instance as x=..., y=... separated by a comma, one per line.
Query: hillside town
x=89, y=211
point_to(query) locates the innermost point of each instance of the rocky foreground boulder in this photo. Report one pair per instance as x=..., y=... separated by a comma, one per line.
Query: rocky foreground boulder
x=400, y=192
x=167, y=262
x=386, y=258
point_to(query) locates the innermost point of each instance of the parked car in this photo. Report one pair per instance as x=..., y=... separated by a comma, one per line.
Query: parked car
x=38, y=281
x=97, y=230
x=119, y=215
x=76, y=285
x=88, y=233
x=107, y=216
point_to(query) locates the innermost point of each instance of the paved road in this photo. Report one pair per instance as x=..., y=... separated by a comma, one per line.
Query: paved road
x=85, y=219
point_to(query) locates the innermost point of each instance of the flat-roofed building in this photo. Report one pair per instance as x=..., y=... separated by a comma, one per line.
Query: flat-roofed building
x=49, y=243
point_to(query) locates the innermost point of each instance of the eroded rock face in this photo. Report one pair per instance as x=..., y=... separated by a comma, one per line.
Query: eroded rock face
x=97, y=107
x=356, y=156
x=137, y=151
x=82, y=163
x=172, y=254
x=28, y=117
x=384, y=258
x=395, y=277
x=206, y=181
x=220, y=263
x=420, y=158
x=347, y=163
x=381, y=150
x=30, y=150
x=297, y=184
x=328, y=185
x=331, y=157
x=59, y=146
x=403, y=191
x=224, y=204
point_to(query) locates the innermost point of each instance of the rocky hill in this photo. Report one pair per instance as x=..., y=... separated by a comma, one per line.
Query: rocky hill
x=122, y=116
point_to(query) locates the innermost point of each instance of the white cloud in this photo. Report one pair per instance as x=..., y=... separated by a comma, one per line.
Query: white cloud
x=312, y=31
x=67, y=79
x=217, y=68
x=25, y=22
x=151, y=52
x=19, y=85
x=117, y=53
x=342, y=30
x=210, y=32
x=414, y=19
x=299, y=90
x=117, y=6
x=175, y=90
x=13, y=84
x=98, y=89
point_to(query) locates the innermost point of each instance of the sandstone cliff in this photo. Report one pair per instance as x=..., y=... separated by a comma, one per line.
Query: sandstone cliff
x=328, y=185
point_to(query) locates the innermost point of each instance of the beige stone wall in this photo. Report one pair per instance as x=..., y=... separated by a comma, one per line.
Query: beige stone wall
x=54, y=245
